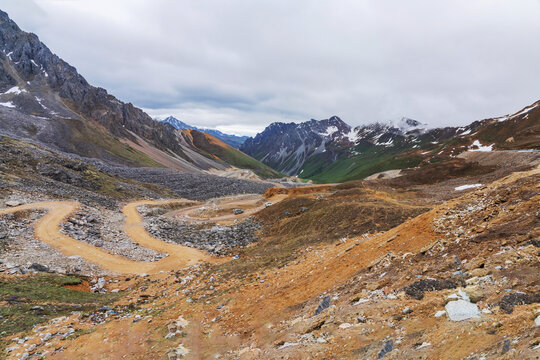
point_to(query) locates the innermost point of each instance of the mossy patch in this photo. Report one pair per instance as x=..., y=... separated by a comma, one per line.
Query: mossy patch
x=31, y=300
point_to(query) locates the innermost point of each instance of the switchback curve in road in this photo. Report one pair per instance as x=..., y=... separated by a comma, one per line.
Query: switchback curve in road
x=47, y=230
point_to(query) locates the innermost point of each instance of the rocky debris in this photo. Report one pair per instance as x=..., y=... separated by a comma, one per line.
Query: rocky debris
x=216, y=239
x=325, y=304
x=440, y=313
x=99, y=285
x=508, y=301
x=13, y=203
x=238, y=211
x=387, y=347
x=190, y=186
x=104, y=228
x=178, y=353
x=176, y=327
x=416, y=290
x=23, y=253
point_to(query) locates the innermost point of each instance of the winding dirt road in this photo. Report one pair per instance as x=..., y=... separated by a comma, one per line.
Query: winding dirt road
x=47, y=230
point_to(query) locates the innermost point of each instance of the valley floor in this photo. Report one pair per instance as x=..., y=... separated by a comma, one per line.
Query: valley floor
x=380, y=269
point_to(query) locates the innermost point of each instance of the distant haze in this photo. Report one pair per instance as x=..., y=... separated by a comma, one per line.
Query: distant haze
x=239, y=65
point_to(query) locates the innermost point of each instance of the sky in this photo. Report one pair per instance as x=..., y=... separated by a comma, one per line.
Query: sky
x=239, y=65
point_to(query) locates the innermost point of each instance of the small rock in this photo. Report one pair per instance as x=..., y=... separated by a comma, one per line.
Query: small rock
x=537, y=321
x=387, y=347
x=406, y=311
x=325, y=303
x=13, y=203
x=506, y=346
x=345, y=326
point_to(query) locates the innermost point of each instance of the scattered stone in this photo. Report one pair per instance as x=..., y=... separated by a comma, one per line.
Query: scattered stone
x=416, y=290
x=387, y=347
x=406, y=311
x=506, y=346
x=474, y=293
x=325, y=303
x=518, y=298
x=345, y=326
x=13, y=203
x=39, y=267
x=178, y=353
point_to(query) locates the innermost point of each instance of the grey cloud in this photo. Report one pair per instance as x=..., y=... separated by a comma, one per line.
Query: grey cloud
x=240, y=65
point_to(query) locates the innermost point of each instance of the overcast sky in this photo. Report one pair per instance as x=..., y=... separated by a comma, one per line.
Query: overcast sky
x=240, y=65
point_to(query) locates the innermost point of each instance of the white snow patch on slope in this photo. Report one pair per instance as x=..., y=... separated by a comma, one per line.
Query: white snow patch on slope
x=329, y=131
x=8, y=104
x=480, y=146
x=524, y=111
x=15, y=90
x=465, y=187
x=352, y=136
x=387, y=144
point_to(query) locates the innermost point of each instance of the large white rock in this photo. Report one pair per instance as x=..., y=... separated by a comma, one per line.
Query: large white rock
x=462, y=310
x=537, y=321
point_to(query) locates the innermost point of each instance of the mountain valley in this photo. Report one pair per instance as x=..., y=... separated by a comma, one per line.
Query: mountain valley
x=123, y=237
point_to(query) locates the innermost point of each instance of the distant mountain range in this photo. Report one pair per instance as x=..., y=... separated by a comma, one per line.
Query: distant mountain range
x=232, y=140
x=45, y=100
x=330, y=150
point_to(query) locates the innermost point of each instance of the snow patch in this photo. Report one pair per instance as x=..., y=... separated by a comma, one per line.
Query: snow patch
x=387, y=144
x=8, y=104
x=524, y=111
x=480, y=146
x=464, y=187
x=329, y=131
x=15, y=90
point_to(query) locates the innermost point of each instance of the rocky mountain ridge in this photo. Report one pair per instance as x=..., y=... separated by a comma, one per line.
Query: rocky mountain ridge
x=331, y=151
x=230, y=139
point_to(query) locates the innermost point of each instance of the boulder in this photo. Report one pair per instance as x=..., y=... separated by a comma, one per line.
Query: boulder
x=474, y=293
x=462, y=310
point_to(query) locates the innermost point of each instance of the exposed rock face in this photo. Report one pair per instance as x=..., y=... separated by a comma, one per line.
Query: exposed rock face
x=52, y=88
x=286, y=147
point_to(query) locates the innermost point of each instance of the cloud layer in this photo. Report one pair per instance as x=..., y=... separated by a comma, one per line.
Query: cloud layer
x=239, y=65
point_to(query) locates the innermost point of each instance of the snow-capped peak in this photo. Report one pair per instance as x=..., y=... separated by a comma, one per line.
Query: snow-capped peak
x=406, y=124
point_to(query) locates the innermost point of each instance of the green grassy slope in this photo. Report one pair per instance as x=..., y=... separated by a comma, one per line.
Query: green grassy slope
x=216, y=149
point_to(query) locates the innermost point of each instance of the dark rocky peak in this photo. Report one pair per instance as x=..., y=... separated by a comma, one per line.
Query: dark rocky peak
x=27, y=62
